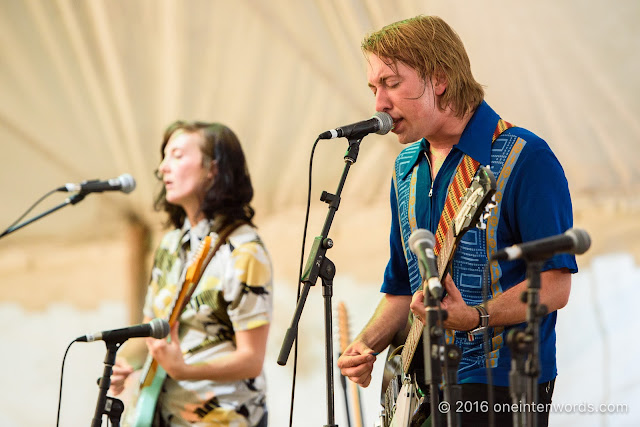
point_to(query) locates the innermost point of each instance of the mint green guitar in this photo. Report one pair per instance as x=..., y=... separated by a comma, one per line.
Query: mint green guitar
x=152, y=377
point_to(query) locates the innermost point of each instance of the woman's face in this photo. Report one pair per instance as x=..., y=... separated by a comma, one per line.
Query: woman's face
x=185, y=178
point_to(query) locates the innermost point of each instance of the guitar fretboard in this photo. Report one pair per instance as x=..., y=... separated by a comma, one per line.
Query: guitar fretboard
x=417, y=327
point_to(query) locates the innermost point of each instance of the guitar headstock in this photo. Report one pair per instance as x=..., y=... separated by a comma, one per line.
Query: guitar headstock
x=477, y=202
x=195, y=268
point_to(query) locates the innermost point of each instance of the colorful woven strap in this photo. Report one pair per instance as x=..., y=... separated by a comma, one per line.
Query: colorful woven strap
x=462, y=179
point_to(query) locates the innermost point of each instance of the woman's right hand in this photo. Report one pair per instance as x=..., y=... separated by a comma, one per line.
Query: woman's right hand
x=121, y=370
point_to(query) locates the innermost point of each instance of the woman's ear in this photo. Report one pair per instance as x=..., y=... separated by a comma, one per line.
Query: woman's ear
x=213, y=169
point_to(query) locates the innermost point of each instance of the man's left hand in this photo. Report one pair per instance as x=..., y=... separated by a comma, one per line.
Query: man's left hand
x=460, y=316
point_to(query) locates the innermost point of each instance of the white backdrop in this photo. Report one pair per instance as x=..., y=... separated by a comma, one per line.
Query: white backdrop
x=596, y=355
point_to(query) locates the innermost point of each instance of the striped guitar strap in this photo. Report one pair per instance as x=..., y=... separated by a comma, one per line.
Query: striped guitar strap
x=467, y=169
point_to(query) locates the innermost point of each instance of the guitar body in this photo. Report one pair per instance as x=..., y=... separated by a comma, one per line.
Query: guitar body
x=401, y=390
x=145, y=406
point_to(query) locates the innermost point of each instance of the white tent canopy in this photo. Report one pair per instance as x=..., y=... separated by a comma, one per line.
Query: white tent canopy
x=88, y=88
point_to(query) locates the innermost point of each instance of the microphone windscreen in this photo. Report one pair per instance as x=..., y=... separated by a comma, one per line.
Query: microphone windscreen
x=386, y=122
x=421, y=235
x=581, y=239
x=127, y=183
x=159, y=328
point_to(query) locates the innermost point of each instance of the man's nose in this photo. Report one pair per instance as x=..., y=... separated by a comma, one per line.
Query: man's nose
x=383, y=103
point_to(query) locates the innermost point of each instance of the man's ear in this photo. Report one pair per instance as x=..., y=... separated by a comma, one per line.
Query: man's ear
x=440, y=83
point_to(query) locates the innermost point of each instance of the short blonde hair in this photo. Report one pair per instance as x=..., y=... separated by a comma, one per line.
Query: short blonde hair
x=430, y=46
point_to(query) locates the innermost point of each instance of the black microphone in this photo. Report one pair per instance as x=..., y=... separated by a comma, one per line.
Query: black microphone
x=124, y=183
x=381, y=123
x=157, y=328
x=421, y=243
x=573, y=241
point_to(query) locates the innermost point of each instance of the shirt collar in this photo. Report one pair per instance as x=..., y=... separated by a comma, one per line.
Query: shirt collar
x=200, y=230
x=475, y=140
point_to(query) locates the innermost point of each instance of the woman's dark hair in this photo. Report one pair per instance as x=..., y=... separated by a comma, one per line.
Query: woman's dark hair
x=231, y=192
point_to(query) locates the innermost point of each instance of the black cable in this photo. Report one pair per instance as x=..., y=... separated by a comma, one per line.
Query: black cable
x=28, y=210
x=61, y=376
x=304, y=238
x=486, y=274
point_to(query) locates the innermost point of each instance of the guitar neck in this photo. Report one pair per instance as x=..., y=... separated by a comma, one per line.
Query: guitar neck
x=417, y=327
x=446, y=253
x=355, y=398
x=192, y=277
x=343, y=329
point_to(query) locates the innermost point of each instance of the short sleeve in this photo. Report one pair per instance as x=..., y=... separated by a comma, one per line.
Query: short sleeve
x=248, y=286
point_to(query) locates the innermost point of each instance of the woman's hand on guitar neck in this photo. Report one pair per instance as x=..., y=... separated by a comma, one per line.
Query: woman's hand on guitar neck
x=168, y=353
x=356, y=363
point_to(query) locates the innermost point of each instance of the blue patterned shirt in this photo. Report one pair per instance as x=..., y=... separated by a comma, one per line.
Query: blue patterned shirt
x=535, y=203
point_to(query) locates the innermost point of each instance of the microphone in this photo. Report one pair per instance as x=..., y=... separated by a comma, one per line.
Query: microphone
x=380, y=123
x=573, y=241
x=157, y=328
x=421, y=243
x=124, y=183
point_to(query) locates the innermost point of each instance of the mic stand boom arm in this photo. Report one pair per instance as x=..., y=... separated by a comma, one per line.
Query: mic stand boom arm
x=318, y=265
x=69, y=200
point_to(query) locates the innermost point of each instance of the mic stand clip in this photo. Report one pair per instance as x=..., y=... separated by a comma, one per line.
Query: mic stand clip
x=107, y=405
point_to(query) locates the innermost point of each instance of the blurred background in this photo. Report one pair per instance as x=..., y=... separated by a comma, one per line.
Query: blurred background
x=88, y=87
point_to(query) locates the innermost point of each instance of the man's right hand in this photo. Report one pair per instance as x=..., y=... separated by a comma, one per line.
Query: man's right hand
x=121, y=370
x=356, y=363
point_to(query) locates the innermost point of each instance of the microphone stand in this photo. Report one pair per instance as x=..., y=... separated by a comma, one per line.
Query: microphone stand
x=318, y=265
x=436, y=356
x=524, y=345
x=431, y=339
x=69, y=200
x=106, y=405
x=451, y=389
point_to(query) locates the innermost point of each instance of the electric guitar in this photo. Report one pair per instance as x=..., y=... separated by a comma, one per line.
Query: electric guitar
x=343, y=330
x=143, y=405
x=400, y=392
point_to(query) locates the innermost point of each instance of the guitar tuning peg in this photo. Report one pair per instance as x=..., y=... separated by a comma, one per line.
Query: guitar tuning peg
x=493, y=197
x=481, y=225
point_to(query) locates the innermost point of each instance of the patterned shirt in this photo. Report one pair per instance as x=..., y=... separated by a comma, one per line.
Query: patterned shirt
x=233, y=294
x=534, y=203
